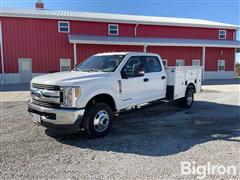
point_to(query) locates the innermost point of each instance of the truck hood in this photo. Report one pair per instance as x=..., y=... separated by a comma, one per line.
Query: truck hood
x=68, y=78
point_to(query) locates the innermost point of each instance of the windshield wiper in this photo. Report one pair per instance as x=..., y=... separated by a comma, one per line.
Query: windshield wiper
x=90, y=70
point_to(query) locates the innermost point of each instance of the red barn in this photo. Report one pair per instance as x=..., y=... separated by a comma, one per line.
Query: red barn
x=41, y=41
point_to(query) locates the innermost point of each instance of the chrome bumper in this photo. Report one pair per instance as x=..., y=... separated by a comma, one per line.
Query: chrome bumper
x=56, y=117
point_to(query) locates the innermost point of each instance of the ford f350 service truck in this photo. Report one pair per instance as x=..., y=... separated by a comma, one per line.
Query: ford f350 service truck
x=89, y=96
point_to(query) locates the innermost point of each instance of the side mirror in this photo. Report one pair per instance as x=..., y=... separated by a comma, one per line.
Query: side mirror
x=124, y=74
x=138, y=70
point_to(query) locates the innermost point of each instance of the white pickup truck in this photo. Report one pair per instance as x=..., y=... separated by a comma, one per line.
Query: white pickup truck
x=89, y=96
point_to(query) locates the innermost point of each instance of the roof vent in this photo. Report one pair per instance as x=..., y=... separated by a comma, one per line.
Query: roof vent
x=39, y=5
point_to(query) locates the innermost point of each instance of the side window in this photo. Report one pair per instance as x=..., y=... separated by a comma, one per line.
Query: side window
x=113, y=29
x=63, y=26
x=153, y=64
x=222, y=34
x=65, y=65
x=196, y=62
x=221, y=65
x=180, y=62
x=128, y=68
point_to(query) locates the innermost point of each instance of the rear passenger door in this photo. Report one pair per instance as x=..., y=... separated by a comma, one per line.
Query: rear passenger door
x=156, y=75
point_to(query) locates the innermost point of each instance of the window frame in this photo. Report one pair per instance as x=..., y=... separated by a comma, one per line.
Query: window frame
x=147, y=70
x=198, y=60
x=59, y=26
x=141, y=60
x=109, y=29
x=60, y=64
x=219, y=34
x=218, y=64
x=181, y=60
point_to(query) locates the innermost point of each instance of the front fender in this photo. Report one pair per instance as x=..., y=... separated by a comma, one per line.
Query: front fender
x=86, y=96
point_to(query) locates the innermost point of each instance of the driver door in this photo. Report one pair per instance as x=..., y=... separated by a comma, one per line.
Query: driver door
x=134, y=88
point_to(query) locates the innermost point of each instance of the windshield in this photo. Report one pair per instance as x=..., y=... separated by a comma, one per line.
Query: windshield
x=107, y=63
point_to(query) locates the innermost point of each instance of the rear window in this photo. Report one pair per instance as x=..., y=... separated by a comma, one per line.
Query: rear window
x=153, y=64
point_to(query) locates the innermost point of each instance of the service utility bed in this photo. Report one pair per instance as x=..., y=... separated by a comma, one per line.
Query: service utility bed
x=178, y=77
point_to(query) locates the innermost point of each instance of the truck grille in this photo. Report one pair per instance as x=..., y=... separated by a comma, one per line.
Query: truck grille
x=44, y=86
x=45, y=104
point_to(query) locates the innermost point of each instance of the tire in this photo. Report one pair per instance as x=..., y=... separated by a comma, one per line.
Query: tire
x=187, y=101
x=97, y=121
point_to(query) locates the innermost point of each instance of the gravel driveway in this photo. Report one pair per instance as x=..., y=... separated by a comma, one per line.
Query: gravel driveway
x=149, y=143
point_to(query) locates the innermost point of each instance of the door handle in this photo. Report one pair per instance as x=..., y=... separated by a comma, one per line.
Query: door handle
x=163, y=77
x=145, y=79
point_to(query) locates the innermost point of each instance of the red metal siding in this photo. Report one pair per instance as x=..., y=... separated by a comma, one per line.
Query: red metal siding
x=180, y=32
x=99, y=28
x=84, y=51
x=40, y=40
x=215, y=54
x=173, y=53
x=36, y=39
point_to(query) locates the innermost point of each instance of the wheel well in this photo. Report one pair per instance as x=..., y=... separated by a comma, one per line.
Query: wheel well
x=103, y=98
x=192, y=86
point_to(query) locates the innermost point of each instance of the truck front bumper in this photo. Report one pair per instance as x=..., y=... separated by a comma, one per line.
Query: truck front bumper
x=62, y=119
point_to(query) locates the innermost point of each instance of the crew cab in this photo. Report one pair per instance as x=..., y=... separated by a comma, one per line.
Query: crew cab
x=89, y=96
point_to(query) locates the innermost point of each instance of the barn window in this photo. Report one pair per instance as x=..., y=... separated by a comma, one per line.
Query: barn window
x=65, y=65
x=63, y=26
x=113, y=29
x=222, y=34
x=196, y=62
x=180, y=62
x=221, y=65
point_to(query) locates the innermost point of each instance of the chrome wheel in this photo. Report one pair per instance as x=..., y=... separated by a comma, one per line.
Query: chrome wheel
x=189, y=98
x=101, y=121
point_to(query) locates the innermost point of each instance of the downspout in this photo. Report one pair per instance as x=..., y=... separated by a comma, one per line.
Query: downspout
x=135, y=30
x=74, y=55
x=2, y=60
x=203, y=62
x=145, y=48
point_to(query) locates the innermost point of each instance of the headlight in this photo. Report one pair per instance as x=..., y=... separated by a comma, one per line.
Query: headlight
x=69, y=96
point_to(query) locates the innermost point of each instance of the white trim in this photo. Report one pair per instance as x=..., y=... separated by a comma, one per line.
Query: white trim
x=2, y=57
x=135, y=30
x=109, y=29
x=74, y=54
x=196, y=60
x=219, y=34
x=218, y=64
x=235, y=59
x=181, y=60
x=220, y=74
x=114, y=18
x=61, y=63
x=68, y=26
x=150, y=43
x=145, y=48
x=203, y=62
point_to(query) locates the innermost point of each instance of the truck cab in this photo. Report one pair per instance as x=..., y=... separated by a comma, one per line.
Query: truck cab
x=89, y=96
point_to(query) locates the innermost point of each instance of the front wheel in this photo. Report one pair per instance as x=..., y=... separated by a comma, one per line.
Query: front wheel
x=98, y=120
x=187, y=101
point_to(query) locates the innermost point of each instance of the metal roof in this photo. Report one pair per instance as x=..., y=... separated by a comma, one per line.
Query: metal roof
x=113, y=40
x=117, y=18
